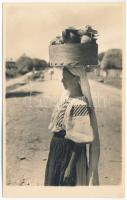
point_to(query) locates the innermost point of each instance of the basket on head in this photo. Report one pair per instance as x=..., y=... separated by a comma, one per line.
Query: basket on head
x=73, y=54
x=74, y=47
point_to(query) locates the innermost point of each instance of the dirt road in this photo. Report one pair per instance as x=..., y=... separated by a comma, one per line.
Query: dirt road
x=29, y=109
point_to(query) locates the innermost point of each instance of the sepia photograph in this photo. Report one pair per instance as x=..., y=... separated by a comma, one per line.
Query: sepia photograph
x=63, y=75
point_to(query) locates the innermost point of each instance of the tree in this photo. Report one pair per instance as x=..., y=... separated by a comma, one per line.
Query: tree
x=112, y=59
x=39, y=64
x=24, y=64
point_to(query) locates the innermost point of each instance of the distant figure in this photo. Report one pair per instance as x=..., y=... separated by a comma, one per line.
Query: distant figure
x=51, y=73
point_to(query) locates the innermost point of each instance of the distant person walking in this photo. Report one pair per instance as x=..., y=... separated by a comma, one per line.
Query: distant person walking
x=51, y=73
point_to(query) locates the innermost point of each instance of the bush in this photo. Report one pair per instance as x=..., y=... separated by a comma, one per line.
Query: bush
x=10, y=73
x=11, y=69
x=112, y=59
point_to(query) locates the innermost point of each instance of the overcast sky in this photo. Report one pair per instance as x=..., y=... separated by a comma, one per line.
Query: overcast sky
x=28, y=28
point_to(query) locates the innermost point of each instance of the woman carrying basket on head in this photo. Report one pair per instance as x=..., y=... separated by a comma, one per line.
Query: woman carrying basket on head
x=75, y=131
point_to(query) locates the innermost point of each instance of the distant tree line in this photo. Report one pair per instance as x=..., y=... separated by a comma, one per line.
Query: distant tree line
x=23, y=65
x=111, y=59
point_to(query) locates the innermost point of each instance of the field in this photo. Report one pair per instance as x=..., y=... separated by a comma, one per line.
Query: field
x=28, y=111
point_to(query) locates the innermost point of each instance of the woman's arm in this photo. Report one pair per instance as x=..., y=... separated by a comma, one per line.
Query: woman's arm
x=70, y=170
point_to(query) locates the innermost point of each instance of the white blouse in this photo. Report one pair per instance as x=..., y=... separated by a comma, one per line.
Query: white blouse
x=72, y=115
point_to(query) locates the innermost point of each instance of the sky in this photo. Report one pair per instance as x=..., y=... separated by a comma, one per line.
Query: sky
x=28, y=28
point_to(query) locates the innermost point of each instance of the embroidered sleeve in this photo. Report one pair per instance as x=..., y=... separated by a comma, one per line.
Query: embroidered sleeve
x=60, y=116
x=79, y=110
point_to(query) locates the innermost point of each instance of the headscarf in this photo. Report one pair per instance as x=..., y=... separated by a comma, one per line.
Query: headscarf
x=85, y=87
x=94, y=151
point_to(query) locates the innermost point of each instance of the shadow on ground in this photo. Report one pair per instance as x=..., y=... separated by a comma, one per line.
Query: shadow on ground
x=21, y=94
x=14, y=86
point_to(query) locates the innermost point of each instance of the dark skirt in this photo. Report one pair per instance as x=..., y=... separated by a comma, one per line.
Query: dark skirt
x=59, y=156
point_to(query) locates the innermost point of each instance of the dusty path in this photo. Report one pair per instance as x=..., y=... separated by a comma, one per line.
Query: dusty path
x=29, y=109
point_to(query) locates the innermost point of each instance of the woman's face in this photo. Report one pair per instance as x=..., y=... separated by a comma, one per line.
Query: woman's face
x=65, y=80
x=68, y=80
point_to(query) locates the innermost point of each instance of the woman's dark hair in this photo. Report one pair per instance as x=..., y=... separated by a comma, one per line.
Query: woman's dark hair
x=65, y=69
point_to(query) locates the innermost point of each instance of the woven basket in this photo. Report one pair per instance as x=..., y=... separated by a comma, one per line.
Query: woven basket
x=73, y=54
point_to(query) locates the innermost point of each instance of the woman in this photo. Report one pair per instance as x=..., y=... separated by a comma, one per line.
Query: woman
x=67, y=162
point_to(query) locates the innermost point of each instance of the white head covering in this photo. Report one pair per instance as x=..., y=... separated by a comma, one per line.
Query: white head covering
x=85, y=87
x=80, y=71
x=95, y=146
